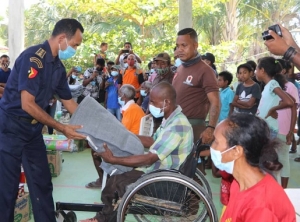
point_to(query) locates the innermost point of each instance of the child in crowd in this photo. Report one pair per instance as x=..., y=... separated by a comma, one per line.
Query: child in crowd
x=287, y=120
x=235, y=85
x=267, y=69
x=248, y=93
x=102, y=53
x=226, y=94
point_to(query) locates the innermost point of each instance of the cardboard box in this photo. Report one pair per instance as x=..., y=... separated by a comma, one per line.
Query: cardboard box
x=22, y=212
x=54, y=162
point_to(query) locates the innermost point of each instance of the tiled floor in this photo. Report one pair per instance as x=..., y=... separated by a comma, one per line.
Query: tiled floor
x=78, y=170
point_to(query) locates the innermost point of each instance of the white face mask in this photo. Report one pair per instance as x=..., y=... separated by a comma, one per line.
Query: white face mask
x=114, y=73
x=143, y=92
x=178, y=62
x=121, y=102
x=157, y=112
x=125, y=65
x=216, y=157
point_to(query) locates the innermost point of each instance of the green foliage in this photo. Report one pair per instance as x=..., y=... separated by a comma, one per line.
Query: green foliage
x=230, y=29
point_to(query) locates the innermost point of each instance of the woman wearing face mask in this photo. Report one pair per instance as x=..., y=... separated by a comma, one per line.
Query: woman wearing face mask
x=242, y=147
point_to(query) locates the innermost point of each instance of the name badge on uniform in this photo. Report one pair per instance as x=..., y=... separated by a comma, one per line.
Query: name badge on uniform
x=188, y=80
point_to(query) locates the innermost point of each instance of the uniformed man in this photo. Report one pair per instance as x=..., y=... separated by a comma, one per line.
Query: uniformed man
x=37, y=75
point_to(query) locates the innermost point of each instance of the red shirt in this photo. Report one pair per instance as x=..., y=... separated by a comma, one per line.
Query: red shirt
x=225, y=186
x=266, y=201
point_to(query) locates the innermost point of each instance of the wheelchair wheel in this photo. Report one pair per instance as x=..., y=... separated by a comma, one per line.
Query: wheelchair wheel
x=202, y=181
x=167, y=197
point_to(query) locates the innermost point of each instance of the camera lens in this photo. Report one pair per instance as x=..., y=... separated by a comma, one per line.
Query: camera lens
x=266, y=35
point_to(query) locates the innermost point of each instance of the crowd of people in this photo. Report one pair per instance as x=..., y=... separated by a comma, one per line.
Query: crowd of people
x=188, y=100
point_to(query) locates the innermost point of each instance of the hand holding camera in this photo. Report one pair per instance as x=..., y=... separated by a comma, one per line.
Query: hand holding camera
x=278, y=39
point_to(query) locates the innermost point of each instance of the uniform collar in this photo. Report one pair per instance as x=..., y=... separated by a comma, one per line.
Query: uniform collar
x=48, y=55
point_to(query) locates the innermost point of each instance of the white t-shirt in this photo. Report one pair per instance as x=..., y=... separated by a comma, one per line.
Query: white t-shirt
x=268, y=100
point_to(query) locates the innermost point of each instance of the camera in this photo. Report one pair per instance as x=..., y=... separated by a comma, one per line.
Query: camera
x=274, y=28
x=125, y=50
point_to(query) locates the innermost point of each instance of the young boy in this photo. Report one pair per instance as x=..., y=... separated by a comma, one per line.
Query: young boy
x=226, y=94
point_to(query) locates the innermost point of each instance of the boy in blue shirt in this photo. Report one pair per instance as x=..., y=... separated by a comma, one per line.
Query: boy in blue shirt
x=226, y=94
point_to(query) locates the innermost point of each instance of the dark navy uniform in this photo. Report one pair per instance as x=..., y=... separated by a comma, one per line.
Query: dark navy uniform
x=21, y=141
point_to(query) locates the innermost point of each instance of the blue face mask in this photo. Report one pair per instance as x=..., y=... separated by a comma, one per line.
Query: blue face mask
x=121, y=102
x=157, y=112
x=216, y=157
x=143, y=92
x=74, y=76
x=67, y=53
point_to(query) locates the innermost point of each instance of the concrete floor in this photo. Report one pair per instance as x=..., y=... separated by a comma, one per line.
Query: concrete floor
x=78, y=170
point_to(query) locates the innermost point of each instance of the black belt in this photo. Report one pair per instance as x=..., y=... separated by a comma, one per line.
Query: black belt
x=28, y=120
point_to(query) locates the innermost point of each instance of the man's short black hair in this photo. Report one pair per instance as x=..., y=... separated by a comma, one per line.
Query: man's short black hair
x=103, y=44
x=189, y=31
x=68, y=26
x=4, y=56
x=226, y=76
x=100, y=62
x=129, y=43
x=110, y=63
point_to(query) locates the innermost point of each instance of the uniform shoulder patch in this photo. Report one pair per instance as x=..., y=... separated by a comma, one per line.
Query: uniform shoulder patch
x=37, y=61
x=40, y=52
x=32, y=72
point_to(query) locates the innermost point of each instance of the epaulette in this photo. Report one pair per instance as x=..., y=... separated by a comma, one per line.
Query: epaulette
x=41, y=52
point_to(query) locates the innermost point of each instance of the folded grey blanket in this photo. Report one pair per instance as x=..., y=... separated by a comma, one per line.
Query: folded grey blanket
x=102, y=127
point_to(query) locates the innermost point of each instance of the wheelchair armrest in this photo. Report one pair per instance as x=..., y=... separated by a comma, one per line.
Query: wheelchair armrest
x=162, y=170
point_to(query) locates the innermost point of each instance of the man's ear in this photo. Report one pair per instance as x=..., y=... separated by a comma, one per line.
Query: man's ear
x=61, y=38
x=196, y=46
x=167, y=102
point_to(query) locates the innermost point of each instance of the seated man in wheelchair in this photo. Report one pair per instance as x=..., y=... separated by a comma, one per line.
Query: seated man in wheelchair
x=169, y=147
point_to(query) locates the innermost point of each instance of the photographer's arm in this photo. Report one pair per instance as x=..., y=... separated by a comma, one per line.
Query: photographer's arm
x=88, y=80
x=278, y=45
x=117, y=62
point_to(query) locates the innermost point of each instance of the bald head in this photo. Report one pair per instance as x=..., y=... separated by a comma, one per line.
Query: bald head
x=164, y=90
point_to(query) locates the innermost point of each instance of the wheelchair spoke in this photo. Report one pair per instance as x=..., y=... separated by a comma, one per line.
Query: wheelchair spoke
x=166, y=197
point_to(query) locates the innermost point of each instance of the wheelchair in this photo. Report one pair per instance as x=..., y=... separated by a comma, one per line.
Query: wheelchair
x=163, y=195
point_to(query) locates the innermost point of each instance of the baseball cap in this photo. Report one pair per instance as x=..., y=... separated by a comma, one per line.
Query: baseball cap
x=209, y=56
x=162, y=57
x=117, y=67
